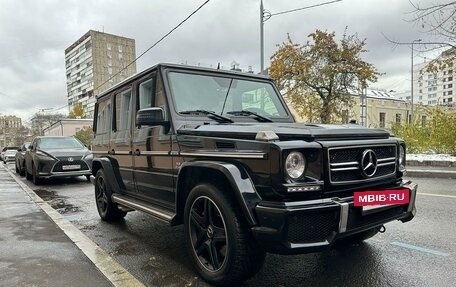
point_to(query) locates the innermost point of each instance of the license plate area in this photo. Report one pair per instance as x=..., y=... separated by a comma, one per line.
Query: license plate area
x=71, y=167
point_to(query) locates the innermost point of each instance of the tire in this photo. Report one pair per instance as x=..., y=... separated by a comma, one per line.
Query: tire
x=22, y=169
x=107, y=209
x=28, y=176
x=219, y=240
x=356, y=238
x=17, y=168
x=35, y=178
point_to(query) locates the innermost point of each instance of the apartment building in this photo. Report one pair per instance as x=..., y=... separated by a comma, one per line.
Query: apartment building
x=94, y=63
x=10, y=129
x=435, y=87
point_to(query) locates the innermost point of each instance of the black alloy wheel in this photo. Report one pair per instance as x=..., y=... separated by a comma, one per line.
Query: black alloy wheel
x=218, y=238
x=208, y=233
x=17, y=166
x=107, y=209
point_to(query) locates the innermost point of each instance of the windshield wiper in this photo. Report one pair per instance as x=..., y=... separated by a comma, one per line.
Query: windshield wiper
x=209, y=114
x=247, y=113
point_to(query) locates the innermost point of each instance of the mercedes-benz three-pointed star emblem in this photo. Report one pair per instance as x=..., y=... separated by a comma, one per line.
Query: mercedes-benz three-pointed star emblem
x=368, y=163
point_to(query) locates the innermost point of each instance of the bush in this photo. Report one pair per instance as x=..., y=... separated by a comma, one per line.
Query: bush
x=437, y=135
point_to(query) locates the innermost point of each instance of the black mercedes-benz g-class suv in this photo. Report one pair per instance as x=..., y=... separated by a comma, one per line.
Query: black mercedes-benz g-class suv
x=220, y=152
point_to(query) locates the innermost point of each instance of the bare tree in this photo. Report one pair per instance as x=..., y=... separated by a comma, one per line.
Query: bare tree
x=437, y=19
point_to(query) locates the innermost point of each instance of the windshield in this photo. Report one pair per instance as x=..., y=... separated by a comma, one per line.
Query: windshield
x=223, y=95
x=59, y=143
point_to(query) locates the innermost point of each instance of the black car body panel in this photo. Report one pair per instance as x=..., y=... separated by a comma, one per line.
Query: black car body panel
x=157, y=164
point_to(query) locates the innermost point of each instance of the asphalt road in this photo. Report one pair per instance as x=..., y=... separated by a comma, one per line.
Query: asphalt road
x=418, y=253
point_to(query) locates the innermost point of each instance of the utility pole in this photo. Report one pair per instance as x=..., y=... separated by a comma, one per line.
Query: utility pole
x=411, y=88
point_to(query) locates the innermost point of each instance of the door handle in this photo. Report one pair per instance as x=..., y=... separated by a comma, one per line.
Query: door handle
x=137, y=152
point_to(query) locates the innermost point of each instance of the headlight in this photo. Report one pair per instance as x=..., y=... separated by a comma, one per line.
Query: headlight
x=88, y=157
x=43, y=155
x=401, y=157
x=295, y=165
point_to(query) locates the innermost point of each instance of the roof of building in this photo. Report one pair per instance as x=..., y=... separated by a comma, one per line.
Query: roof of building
x=377, y=94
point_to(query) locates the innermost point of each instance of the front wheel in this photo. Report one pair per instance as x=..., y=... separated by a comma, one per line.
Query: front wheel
x=35, y=178
x=218, y=238
x=107, y=209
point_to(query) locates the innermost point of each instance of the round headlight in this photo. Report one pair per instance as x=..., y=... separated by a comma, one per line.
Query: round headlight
x=295, y=165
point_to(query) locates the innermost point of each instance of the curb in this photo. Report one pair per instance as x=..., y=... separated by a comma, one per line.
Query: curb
x=434, y=173
x=431, y=163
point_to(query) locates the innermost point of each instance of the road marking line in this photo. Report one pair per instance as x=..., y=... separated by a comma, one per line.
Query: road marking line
x=438, y=195
x=113, y=271
x=417, y=248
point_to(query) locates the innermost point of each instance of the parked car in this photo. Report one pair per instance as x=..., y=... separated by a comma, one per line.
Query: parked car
x=20, y=158
x=56, y=156
x=9, y=155
x=220, y=152
x=5, y=149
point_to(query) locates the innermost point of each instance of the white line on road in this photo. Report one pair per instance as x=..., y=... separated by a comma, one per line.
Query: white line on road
x=438, y=195
x=418, y=248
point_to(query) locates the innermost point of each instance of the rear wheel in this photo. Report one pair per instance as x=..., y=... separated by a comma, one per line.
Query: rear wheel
x=218, y=238
x=107, y=209
x=17, y=167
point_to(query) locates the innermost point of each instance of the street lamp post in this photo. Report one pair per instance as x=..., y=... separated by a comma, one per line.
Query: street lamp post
x=411, y=87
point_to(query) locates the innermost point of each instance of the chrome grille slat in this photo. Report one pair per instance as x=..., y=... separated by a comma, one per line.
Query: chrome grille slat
x=344, y=166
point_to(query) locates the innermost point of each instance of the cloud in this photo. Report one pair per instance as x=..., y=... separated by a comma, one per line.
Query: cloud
x=34, y=35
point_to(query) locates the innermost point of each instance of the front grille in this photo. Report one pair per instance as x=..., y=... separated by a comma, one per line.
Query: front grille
x=344, y=163
x=312, y=227
x=58, y=166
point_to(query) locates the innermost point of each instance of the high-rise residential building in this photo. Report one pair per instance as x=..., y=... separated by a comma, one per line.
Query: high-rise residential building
x=435, y=87
x=94, y=63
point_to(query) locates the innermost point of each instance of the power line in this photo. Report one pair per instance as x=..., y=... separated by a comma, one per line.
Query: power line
x=148, y=49
x=312, y=6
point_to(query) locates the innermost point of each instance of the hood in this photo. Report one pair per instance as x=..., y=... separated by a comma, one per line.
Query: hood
x=286, y=131
x=66, y=152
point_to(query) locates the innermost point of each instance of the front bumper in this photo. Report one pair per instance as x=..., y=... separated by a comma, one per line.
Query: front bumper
x=315, y=225
x=50, y=168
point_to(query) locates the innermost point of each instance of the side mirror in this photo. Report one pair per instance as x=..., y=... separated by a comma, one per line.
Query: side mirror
x=151, y=117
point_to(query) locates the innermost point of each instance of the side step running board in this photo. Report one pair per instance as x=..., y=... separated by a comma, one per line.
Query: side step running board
x=159, y=213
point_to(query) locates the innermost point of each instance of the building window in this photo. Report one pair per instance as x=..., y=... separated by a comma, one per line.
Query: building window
x=423, y=121
x=398, y=118
x=120, y=48
x=449, y=93
x=450, y=86
x=382, y=117
x=108, y=46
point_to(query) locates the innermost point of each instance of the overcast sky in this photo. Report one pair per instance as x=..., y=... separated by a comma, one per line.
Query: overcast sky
x=34, y=35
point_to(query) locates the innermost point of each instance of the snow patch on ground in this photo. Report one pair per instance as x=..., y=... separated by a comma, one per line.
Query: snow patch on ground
x=431, y=157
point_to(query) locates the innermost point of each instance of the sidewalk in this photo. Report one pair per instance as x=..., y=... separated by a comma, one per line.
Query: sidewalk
x=39, y=247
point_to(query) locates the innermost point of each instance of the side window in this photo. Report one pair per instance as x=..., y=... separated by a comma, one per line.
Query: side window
x=104, y=117
x=123, y=106
x=147, y=94
x=125, y=110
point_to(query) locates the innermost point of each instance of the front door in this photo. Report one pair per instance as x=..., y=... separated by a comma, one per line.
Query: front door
x=151, y=147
